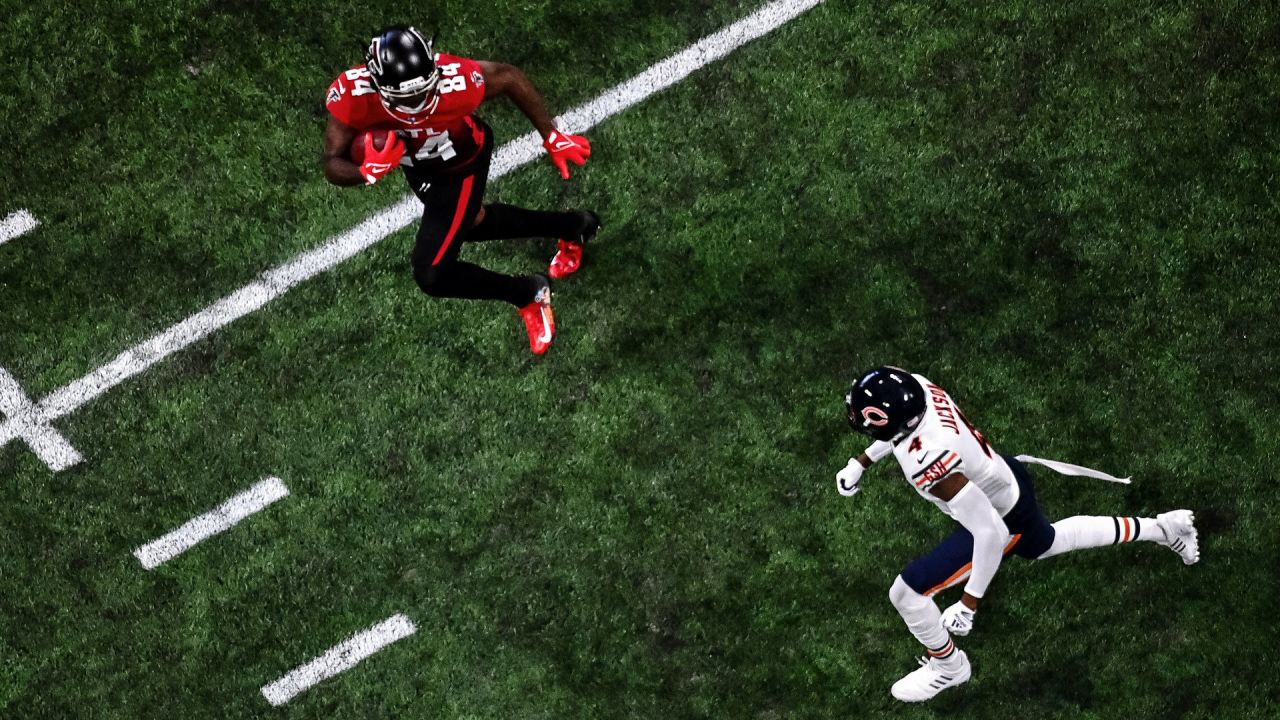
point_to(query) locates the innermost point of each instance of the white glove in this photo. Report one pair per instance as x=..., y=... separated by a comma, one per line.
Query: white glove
x=849, y=480
x=958, y=619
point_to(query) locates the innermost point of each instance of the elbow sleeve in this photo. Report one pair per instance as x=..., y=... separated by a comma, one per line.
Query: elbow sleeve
x=879, y=450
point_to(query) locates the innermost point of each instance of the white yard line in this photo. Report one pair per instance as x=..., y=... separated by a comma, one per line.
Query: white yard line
x=24, y=422
x=17, y=224
x=339, y=658
x=276, y=282
x=218, y=520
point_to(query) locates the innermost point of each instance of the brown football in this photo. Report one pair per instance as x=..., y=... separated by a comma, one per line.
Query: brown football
x=357, y=145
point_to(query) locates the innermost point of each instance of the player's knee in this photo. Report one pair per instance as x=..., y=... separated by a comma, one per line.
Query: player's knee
x=902, y=595
x=1058, y=540
x=429, y=277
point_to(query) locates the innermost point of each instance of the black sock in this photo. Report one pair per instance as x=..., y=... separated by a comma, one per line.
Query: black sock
x=508, y=221
x=464, y=280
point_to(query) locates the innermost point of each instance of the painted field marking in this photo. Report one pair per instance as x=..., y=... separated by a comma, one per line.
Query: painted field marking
x=24, y=422
x=340, y=248
x=339, y=658
x=218, y=520
x=17, y=224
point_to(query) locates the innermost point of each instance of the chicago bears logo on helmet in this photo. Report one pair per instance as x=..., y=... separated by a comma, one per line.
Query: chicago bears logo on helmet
x=886, y=403
x=875, y=416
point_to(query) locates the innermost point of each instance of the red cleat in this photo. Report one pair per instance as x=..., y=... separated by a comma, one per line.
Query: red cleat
x=538, y=318
x=569, y=252
x=567, y=260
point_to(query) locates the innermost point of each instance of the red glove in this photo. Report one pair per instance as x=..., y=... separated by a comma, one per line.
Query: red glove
x=380, y=162
x=564, y=148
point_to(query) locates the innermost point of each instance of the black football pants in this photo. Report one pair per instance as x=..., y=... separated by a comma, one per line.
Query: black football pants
x=450, y=204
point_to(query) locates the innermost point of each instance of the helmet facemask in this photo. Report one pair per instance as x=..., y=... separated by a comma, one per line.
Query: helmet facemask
x=412, y=97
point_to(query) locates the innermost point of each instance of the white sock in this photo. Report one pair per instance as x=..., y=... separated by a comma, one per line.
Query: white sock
x=1090, y=531
x=924, y=620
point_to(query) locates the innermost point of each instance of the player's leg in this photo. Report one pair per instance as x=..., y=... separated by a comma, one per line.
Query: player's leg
x=503, y=222
x=1175, y=530
x=450, y=205
x=573, y=229
x=1032, y=532
x=946, y=665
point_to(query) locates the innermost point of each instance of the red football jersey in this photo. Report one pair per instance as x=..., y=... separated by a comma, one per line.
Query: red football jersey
x=445, y=138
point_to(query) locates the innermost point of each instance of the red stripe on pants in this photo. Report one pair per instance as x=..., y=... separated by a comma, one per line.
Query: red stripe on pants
x=464, y=197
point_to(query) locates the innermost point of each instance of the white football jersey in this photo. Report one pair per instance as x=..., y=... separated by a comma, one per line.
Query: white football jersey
x=943, y=443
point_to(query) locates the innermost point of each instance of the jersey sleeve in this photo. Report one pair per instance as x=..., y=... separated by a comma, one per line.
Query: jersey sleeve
x=462, y=83
x=338, y=101
x=928, y=468
x=352, y=98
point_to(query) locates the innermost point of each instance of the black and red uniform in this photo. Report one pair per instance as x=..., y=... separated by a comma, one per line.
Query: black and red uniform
x=446, y=162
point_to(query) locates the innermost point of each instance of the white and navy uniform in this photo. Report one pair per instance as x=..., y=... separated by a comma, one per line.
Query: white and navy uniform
x=945, y=443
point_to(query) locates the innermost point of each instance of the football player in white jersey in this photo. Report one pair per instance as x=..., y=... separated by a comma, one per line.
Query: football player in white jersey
x=950, y=464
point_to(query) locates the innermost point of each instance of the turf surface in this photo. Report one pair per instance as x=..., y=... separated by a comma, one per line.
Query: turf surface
x=1064, y=215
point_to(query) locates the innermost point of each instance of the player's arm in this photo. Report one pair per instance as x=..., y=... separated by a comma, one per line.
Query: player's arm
x=509, y=81
x=338, y=168
x=503, y=80
x=849, y=480
x=876, y=452
x=972, y=509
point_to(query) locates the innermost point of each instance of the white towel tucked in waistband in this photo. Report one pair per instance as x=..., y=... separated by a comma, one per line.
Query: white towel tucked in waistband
x=1069, y=469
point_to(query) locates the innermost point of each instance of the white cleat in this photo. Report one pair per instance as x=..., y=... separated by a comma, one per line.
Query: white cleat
x=1180, y=534
x=931, y=678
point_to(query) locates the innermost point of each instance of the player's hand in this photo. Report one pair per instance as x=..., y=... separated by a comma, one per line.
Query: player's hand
x=958, y=619
x=380, y=162
x=564, y=149
x=849, y=480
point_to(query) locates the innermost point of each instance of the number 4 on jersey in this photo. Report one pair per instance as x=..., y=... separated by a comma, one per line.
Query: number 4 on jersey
x=437, y=146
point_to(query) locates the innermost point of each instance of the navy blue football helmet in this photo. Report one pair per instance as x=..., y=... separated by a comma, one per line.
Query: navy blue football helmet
x=887, y=403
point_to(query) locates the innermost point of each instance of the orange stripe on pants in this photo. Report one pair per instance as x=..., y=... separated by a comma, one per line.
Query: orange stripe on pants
x=960, y=574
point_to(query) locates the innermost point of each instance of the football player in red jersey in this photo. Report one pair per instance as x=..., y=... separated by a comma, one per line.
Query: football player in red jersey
x=424, y=103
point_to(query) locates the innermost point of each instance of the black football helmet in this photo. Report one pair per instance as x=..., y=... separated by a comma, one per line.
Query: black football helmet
x=887, y=403
x=402, y=66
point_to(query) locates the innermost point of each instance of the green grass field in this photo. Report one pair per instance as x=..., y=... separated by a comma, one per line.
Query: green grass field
x=1063, y=214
